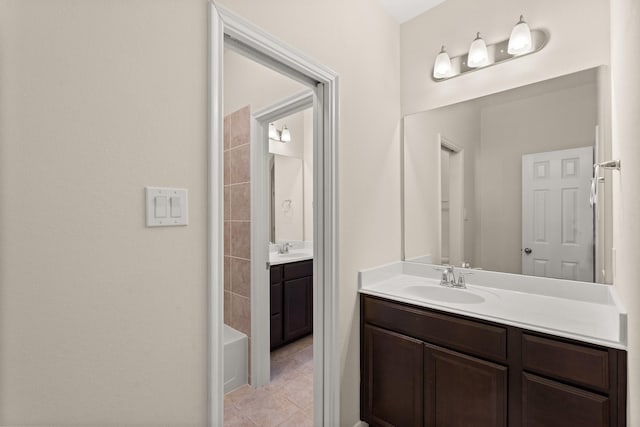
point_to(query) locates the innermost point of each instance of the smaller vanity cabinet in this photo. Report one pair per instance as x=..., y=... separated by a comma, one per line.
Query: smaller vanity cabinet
x=291, y=302
x=422, y=367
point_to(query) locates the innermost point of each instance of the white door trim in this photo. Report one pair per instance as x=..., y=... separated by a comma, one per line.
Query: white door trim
x=260, y=226
x=266, y=49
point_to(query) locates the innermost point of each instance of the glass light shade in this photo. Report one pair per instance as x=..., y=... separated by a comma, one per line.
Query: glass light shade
x=478, y=55
x=285, y=136
x=442, y=66
x=520, y=40
x=273, y=133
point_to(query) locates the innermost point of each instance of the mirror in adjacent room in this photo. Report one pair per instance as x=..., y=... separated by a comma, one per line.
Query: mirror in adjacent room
x=290, y=166
x=503, y=182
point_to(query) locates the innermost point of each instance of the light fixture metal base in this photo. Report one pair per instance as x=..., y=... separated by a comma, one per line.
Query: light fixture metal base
x=497, y=55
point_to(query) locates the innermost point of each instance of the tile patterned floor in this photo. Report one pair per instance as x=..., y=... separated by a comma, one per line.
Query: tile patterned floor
x=286, y=402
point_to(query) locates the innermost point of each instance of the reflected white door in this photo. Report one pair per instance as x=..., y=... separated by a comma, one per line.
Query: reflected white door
x=557, y=220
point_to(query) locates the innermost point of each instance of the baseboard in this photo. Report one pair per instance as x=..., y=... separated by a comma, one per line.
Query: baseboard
x=361, y=424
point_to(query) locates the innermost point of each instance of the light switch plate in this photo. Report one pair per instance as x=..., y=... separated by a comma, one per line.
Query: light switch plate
x=175, y=195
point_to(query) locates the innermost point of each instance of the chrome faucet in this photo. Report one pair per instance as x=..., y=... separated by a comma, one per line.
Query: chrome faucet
x=284, y=247
x=449, y=278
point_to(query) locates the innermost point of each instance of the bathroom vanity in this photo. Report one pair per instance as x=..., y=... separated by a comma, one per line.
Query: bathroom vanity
x=526, y=354
x=291, y=301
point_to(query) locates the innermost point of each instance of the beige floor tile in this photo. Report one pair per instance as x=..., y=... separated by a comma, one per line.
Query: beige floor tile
x=233, y=417
x=267, y=409
x=238, y=394
x=299, y=391
x=302, y=418
x=286, y=401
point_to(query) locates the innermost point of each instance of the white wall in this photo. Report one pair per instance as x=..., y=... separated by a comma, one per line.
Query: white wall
x=103, y=321
x=625, y=68
x=454, y=23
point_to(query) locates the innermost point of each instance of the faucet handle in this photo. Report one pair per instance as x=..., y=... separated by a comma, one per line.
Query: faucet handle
x=461, y=281
x=448, y=278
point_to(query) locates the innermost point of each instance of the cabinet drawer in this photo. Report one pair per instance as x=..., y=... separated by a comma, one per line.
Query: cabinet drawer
x=276, y=273
x=571, y=362
x=546, y=403
x=299, y=269
x=449, y=331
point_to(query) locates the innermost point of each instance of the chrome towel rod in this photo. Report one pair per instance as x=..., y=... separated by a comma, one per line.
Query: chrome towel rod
x=611, y=164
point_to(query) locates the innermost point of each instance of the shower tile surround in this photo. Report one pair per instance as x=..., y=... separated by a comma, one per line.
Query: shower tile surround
x=237, y=221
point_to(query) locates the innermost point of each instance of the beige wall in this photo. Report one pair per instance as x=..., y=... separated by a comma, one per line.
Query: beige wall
x=625, y=68
x=454, y=24
x=307, y=161
x=99, y=99
x=460, y=124
x=288, y=199
x=103, y=321
x=248, y=83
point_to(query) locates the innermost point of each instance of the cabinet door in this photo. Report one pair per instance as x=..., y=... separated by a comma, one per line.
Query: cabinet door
x=392, y=379
x=547, y=403
x=298, y=303
x=463, y=391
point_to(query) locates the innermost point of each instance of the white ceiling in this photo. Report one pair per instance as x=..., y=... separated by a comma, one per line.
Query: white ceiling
x=404, y=10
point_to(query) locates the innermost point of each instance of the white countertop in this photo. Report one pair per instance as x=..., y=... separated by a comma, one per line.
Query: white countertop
x=588, y=312
x=300, y=251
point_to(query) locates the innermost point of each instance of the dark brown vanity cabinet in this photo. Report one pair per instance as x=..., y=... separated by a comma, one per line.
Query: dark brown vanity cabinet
x=392, y=370
x=291, y=302
x=421, y=367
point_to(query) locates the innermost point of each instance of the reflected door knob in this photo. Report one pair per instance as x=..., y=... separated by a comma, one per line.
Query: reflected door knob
x=527, y=251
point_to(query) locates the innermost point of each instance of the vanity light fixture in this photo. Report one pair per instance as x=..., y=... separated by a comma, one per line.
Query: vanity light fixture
x=520, y=40
x=478, y=55
x=442, y=66
x=285, y=135
x=279, y=135
x=273, y=132
x=523, y=41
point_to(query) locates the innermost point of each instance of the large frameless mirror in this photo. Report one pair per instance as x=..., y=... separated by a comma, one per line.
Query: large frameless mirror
x=504, y=182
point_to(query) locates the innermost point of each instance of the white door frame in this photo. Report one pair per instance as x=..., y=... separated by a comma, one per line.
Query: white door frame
x=227, y=29
x=260, y=226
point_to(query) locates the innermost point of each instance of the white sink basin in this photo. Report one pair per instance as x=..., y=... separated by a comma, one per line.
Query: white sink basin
x=290, y=255
x=451, y=295
x=293, y=255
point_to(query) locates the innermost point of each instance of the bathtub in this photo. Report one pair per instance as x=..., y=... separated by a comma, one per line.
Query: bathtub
x=235, y=359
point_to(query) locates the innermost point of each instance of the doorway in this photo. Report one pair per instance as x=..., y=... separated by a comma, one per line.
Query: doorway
x=230, y=31
x=286, y=218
